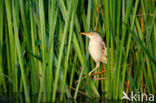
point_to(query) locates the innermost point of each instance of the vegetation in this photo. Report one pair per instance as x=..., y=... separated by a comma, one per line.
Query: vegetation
x=43, y=54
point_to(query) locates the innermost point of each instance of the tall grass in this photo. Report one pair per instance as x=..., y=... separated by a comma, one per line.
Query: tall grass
x=43, y=54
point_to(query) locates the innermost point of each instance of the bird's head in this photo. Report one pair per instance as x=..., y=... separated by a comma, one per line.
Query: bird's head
x=90, y=34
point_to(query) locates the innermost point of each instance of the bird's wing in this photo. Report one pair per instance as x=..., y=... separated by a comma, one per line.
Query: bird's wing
x=104, y=49
x=104, y=53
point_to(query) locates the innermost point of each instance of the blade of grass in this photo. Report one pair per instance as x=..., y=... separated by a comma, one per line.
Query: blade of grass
x=109, y=92
x=77, y=25
x=88, y=21
x=73, y=70
x=52, y=23
x=18, y=47
x=2, y=79
x=33, y=61
x=1, y=40
x=142, y=45
x=43, y=46
x=13, y=85
x=127, y=47
x=61, y=49
x=11, y=39
x=68, y=48
x=118, y=21
x=8, y=55
x=23, y=17
x=120, y=53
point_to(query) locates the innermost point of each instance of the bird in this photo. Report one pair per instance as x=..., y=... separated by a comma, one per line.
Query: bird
x=97, y=48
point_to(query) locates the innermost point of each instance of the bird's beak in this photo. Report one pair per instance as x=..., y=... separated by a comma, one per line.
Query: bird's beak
x=84, y=33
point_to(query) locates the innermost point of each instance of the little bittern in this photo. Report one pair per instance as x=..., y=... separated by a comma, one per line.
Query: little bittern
x=97, y=48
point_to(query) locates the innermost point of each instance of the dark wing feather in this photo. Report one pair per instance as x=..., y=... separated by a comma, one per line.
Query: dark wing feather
x=104, y=53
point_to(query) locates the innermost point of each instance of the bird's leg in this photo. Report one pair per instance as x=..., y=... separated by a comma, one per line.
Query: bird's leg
x=97, y=65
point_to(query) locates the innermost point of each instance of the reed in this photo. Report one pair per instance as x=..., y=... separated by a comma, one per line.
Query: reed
x=43, y=54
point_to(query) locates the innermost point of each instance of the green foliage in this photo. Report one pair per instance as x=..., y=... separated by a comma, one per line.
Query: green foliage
x=43, y=54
